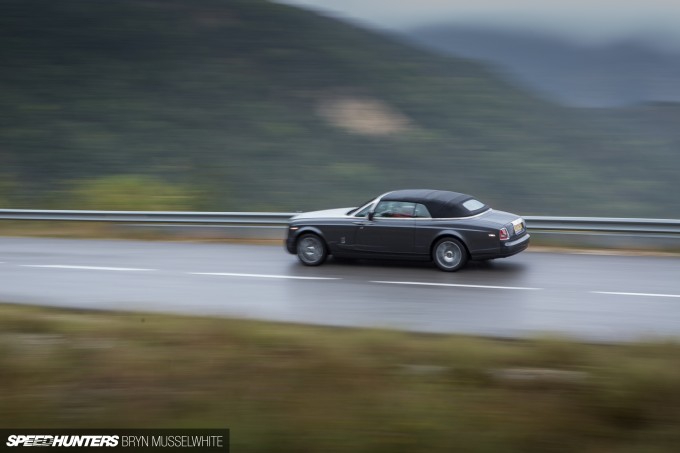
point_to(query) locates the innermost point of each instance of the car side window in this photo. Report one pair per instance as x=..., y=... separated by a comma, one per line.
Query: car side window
x=422, y=212
x=395, y=209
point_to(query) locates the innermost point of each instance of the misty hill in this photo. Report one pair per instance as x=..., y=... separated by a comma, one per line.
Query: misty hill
x=247, y=105
x=617, y=74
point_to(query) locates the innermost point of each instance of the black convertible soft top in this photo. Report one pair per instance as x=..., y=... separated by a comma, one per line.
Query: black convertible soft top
x=440, y=203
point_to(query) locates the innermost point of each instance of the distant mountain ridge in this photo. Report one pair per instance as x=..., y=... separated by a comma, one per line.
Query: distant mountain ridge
x=608, y=75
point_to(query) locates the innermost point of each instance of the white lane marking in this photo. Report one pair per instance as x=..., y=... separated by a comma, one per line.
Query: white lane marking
x=636, y=294
x=89, y=268
x=231, y=274
x=456, y=285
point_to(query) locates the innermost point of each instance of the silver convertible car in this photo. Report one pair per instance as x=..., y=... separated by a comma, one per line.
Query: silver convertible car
x=448, y=228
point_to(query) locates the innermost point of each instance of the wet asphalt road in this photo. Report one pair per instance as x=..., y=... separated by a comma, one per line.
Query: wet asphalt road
x=590, y=297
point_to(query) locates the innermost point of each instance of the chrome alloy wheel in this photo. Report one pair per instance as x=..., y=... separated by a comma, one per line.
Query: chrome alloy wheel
x=449, y=255
x=311, y=250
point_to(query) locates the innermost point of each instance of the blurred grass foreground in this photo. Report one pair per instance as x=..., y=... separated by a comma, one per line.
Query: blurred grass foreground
x=311, y=389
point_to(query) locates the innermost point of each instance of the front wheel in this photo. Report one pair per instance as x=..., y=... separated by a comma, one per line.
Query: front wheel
x=311, y=250
x=449, y=254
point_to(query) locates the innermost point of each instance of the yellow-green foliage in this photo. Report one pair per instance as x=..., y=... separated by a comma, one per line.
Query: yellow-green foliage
x=6, y=187
x=130, y=192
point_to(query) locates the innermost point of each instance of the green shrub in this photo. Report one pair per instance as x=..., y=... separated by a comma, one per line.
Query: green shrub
x=130, y=192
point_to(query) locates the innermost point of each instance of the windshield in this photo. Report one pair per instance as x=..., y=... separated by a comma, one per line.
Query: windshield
x=353, y=211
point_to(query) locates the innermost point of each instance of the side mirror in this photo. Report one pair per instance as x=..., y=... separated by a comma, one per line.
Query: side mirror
x=371, y=214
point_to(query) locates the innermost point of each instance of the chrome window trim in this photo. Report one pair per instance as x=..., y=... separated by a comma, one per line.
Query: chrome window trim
x=393, y=218
x=463, y=218
x=437, y=218
x=377, y=200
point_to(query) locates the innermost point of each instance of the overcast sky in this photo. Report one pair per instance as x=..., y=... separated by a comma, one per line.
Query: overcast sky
x=581, y=20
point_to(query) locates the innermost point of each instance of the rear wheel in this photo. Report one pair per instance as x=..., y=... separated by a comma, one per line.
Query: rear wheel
x=449, y=254
x=311, y=250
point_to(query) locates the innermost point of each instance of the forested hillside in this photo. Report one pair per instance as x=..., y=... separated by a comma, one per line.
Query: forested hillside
x=248, y=105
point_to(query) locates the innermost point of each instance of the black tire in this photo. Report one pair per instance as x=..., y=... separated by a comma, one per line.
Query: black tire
x=311, y=250
x=449, y=254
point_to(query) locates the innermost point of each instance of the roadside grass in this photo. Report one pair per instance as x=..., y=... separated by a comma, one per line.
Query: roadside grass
x=66, y=229
x=105, y=230
x=293, y=388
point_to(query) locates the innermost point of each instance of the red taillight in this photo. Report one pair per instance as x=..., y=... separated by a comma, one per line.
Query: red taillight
x=503, y=234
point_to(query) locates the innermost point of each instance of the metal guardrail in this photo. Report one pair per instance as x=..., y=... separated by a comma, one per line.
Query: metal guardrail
x=167, y=217
x=601, y=225
x=604, y=225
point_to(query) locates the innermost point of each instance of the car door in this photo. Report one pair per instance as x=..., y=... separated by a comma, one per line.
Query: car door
x=390, y=231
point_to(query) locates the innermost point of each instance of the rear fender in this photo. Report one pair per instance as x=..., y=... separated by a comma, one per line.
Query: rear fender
x=449, y=233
